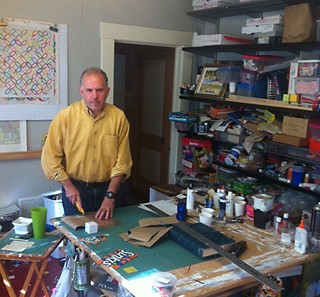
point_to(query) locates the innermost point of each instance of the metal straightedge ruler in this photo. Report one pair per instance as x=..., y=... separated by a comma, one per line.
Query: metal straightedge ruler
x=241, y=264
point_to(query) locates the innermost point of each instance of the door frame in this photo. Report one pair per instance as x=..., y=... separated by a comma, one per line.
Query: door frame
x=110, y=33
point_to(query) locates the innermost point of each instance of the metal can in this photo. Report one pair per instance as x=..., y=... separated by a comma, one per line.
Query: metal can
x=315, y=219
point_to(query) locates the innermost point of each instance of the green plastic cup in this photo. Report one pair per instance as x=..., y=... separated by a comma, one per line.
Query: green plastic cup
x=38, y=215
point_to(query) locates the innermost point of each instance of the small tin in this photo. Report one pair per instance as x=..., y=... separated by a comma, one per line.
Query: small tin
x=315, y=219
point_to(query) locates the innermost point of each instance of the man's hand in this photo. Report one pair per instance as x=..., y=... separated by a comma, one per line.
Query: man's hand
x=106, y=210
x=71, y=192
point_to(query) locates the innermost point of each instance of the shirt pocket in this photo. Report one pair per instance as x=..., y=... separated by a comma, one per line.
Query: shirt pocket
x=110, y=146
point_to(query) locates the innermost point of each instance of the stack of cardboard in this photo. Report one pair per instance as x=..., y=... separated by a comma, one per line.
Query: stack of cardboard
x=265, y=29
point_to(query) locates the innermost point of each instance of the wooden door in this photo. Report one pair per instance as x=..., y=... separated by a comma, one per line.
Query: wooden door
x=149, y=72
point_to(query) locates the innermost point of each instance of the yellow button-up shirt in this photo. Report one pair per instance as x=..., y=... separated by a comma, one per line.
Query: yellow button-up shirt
x=90, y=149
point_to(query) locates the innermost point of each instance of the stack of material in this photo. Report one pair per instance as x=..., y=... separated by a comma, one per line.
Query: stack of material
x=265, y=30
x=206, y=4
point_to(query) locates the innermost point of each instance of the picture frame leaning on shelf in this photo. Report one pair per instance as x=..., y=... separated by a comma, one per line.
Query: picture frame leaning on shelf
x=208, y=83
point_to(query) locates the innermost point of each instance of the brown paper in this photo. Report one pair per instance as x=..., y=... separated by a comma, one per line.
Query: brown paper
x=298, y=23
x=162, y=221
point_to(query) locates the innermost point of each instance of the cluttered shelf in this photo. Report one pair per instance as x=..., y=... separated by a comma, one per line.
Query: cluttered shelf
x=242, y=100
x=269, y=179
x=20, y=155
x=253, y=9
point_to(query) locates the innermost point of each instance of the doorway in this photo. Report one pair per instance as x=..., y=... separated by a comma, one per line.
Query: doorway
x=143, y=89
x=111, y=34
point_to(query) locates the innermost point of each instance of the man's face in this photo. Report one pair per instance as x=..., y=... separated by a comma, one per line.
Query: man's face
x=94, y=91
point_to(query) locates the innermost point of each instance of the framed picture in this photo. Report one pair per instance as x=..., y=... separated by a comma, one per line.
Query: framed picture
x=208, y=83
x=13, y=136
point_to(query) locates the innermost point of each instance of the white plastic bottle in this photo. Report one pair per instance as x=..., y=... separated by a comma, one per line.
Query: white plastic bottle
x=300, y=239
x=190, y=198
x=229, y=205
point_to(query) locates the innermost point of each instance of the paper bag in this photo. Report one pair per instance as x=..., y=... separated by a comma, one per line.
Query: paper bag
x=298, y=23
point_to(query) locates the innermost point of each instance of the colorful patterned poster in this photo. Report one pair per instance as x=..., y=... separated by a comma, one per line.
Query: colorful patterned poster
x=33, y=72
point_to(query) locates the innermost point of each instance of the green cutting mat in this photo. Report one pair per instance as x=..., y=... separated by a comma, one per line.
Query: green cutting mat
x=165, y=255
x=38, y=249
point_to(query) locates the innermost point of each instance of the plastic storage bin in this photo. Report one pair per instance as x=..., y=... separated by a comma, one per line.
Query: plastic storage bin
x=246, y=90
x=315, y=129
x=248, y=77
x=307, y=85
x=308, y=68
x=229, y=74
x=258, y=63
x=22, y=225
x=314, y=144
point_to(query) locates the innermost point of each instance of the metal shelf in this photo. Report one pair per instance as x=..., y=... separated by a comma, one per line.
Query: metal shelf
x=252, y=9
x=252, y=49
x=297, y=153
x=269, y=179
x=253, y=102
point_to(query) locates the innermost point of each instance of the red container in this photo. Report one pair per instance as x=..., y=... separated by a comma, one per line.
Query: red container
x=314, y=144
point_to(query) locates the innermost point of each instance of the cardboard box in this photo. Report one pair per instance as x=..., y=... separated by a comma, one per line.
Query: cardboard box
x=291, y=140
x=298, y=127
x=216, y=39
x=262, y=29
x=270, y=20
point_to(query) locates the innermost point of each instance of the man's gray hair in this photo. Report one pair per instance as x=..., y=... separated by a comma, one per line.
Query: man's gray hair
x=94, y=70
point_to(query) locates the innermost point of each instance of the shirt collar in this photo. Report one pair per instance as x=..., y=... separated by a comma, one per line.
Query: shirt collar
x=88, y=110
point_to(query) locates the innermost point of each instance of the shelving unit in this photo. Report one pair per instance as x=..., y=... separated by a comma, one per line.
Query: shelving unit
x=251, y=49
x=251, y=9
x=255, y=10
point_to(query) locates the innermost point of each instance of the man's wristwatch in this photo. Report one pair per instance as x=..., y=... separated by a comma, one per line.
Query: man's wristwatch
x=110, y=195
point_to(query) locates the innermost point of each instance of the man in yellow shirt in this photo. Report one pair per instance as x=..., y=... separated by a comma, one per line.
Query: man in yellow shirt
x=87, y=149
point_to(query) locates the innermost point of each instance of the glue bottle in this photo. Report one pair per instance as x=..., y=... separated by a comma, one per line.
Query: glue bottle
x=300, y=239
x=190, y=198
x=229, y=205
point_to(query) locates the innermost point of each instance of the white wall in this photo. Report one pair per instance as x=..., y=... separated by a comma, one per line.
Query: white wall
x=21, y=178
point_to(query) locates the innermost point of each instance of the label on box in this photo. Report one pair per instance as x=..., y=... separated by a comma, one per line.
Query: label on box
x=298, y=127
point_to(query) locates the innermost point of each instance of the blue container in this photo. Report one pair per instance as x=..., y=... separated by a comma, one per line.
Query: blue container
x=246, y=90
x=297, y=174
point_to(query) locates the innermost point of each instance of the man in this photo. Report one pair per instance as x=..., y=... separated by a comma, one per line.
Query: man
x=87, y=149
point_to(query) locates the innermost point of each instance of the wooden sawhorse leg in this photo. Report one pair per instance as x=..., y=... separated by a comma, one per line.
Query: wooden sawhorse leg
x=33, y=268
x=6, y=280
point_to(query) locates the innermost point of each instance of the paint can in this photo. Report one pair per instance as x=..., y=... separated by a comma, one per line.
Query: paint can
x=81, y=274
x=315, y=219
x=265, y=291
x=181, y=211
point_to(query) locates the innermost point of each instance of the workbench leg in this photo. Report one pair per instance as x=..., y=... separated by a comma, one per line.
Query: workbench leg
x=40, y=280
x=26, y=283
x=6, y=281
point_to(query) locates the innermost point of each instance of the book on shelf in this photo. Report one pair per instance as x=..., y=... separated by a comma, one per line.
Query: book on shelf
x=197, y=247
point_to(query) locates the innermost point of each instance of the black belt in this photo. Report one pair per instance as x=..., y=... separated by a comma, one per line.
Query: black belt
x=89, y=184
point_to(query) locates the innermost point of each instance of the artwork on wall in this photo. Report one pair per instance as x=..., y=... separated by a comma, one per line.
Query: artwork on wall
x=33, y=70
x=208, y=83
x=13, y=136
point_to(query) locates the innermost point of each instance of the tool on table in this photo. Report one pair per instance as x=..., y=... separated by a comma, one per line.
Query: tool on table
x=79, y=208
x=226, y=254
x=238, y=248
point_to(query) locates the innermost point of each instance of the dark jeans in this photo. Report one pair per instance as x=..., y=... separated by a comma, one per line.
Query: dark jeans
x=93, y=194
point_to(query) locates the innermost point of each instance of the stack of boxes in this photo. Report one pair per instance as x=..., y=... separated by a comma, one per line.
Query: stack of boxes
x=206, y=4
x=265, y=30
x=307, y=82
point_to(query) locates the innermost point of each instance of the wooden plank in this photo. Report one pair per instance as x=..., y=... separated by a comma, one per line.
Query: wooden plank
x=265, y=102
x=20, y=155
